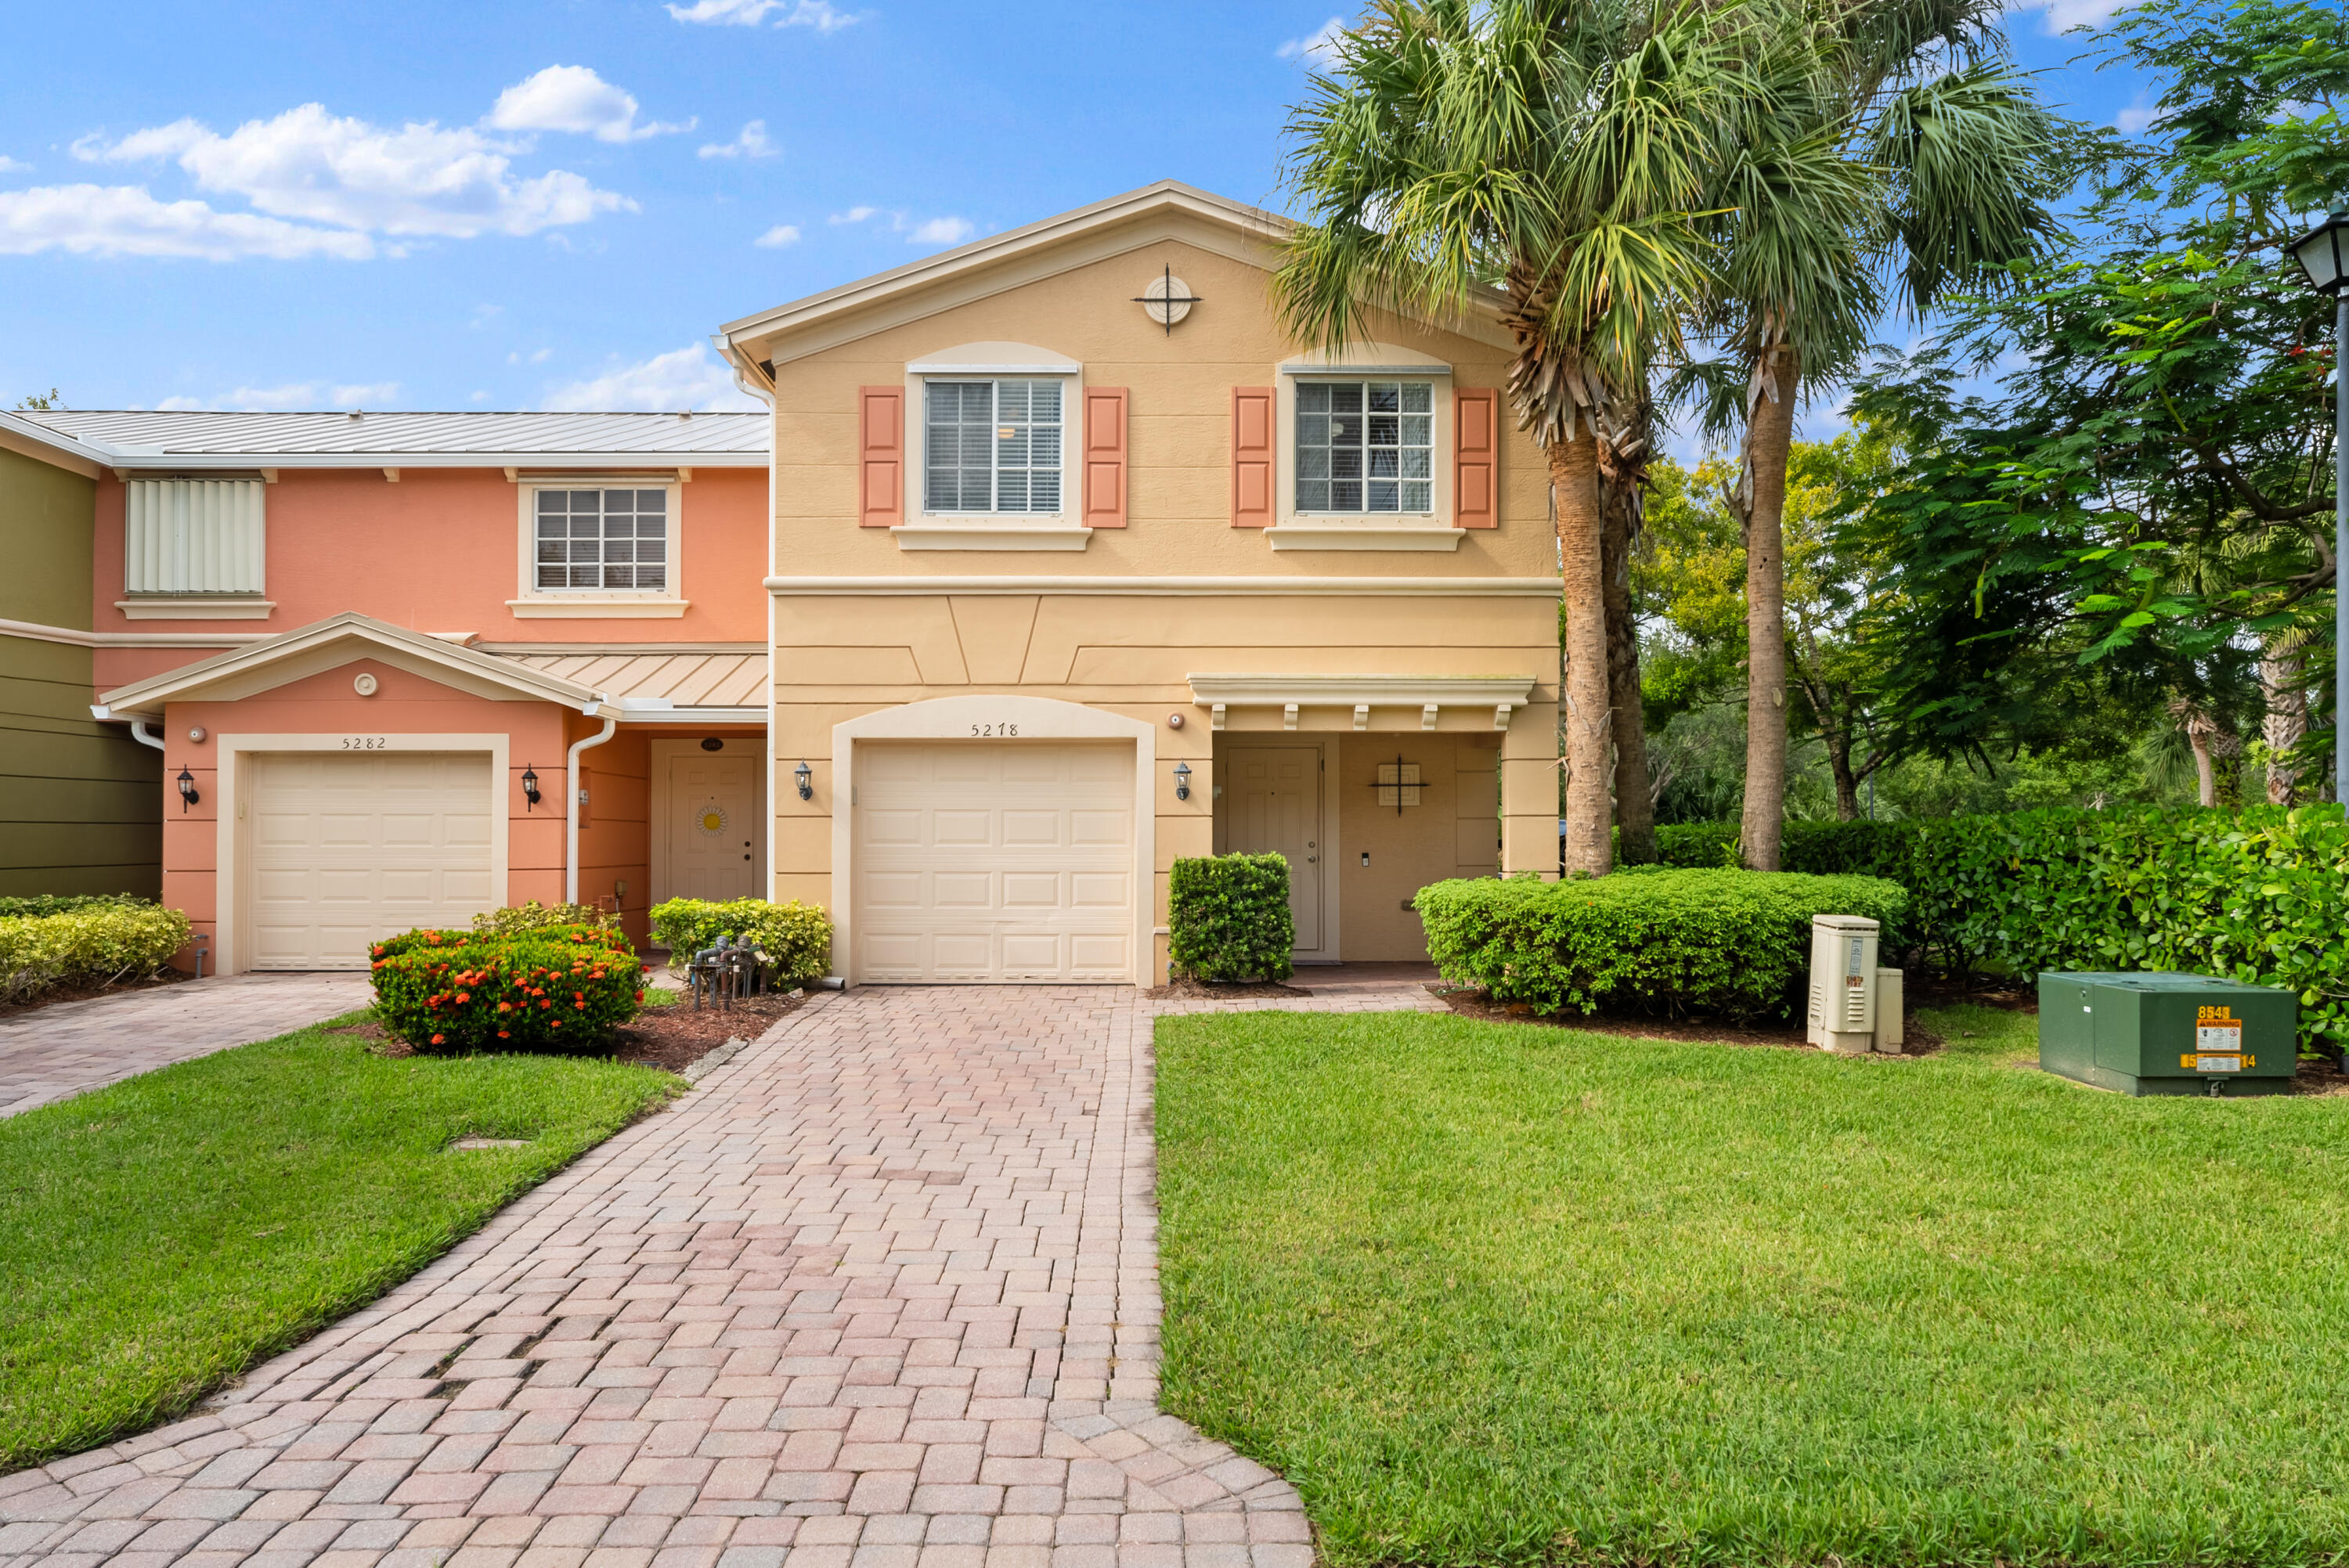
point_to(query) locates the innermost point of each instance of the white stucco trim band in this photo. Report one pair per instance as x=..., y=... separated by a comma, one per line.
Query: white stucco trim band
x=1099, y=587
x=1220, y=692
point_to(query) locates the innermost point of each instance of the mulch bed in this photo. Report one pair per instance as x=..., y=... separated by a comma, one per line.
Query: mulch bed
x=1188, y=990
x=671, y=1037
x=88, y=994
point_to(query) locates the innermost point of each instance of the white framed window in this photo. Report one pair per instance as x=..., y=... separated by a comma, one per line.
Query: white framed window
x=600, y=541
x=1365, y=448
x=993, y=447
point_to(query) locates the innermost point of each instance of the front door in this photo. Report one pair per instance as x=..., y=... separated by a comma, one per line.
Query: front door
x=713, y=817
x=1273, y=805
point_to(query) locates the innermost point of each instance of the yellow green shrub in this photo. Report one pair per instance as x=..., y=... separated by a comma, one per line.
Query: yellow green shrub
x=98, y=946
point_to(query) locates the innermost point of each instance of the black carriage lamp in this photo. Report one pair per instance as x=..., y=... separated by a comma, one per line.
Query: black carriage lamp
x=2323, y=252
x=1182, y=781
x=529, y=786
x=188, y=796
x=804, y=777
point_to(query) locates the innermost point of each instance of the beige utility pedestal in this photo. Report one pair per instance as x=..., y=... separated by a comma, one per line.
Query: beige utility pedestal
x=1854, y=1006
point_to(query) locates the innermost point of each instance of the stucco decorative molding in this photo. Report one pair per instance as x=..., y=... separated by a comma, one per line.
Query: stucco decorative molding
x=988, y=536
x=193, y=607
x=1362, y=536
x=1504, y=695
x=1108, y=587
x=581, y=609
x=34, y=631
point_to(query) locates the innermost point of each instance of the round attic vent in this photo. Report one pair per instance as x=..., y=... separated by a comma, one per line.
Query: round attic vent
x=1167, y=299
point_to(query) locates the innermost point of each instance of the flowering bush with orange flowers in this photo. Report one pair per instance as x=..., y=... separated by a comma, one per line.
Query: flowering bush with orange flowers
x=559, y=989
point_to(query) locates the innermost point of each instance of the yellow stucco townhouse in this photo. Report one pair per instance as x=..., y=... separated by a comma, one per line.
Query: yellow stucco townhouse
x=1081, y=564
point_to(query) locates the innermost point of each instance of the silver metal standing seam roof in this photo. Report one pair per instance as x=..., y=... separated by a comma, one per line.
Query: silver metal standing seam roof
x=690, y=680
x=145, y=435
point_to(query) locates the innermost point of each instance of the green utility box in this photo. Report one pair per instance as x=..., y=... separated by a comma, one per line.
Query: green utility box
x=2168, y=1034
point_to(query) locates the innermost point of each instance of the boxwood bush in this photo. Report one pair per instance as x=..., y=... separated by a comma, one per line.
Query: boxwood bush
x=1713, y=941
x=515, y=919
x=94, y=943
x=793, y=938
x=1228, y=917
x=2259, y=896
x=563, y=988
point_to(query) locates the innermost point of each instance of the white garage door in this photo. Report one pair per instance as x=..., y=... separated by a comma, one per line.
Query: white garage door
x=995, y=860
x=347, y=850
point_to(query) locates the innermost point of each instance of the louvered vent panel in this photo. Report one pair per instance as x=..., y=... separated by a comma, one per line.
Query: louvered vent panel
x=194, y=536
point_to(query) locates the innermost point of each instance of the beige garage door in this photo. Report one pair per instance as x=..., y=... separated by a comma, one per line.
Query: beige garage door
x=994, y=861
x=346, y=850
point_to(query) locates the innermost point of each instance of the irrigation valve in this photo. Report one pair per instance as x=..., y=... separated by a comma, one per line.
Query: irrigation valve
x=1856, y=1006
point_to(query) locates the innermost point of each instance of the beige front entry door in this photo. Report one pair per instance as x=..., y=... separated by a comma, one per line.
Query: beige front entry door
x=347, y=850
x=994, y=862
x=1272, y=804
x=712, y=828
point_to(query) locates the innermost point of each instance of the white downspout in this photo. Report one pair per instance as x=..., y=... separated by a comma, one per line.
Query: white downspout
x=767, y=763
x=571, y=806
x=139, y=730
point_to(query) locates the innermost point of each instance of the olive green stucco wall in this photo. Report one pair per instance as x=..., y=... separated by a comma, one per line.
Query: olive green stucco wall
x=80, y=801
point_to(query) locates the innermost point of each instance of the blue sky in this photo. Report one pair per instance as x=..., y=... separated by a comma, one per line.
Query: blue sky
x=549, y=204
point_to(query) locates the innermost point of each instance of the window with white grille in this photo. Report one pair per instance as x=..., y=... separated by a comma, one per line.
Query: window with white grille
x=194, y=538
x=992, y=446
x=601, y=540
x=1365, y=447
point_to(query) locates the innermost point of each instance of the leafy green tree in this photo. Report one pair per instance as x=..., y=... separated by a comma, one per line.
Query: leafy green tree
x=36, y=401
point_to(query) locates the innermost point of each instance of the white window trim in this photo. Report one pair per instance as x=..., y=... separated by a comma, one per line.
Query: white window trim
x=536, y=604
x=1021, y=530
x=1434, y=529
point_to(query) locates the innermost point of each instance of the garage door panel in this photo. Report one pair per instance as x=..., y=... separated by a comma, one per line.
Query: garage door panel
x=345, y=849
x=1020, y=869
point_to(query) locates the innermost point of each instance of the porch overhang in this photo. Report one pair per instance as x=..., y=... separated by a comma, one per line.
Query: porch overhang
x=1360, y=694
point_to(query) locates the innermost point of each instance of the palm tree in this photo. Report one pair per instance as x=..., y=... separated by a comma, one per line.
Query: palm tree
x=1897, y=147
x=1554, y=151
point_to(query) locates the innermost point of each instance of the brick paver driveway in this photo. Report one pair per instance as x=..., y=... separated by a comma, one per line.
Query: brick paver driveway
x=882, y=1293
x=76, y=1046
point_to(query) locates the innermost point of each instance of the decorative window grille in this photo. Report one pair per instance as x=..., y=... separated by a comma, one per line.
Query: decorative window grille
x=603, y=539
x=992, y=447
x=1365, y=446
x=194, y=536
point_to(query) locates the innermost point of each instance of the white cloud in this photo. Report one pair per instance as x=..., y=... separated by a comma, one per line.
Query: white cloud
x=376, y=393
x=293, y=395
x=2062, y=15
x=854, y=215
x=1319, y=48
x=751, y=143
x=685, y=378
x=821, y=14
x=941, y=231
x=180, y=405
x=126, y=220
x=776, y=238
x=573, y=98
x=13, y=165
x=2135, y=117
x=418, y=179
x=537, y=356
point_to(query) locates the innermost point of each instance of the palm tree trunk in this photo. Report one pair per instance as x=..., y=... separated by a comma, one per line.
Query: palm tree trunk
x=2199, y=730
x=2286, y=724
x=1769, y=439
x=1574, y=482
x=1635, y=806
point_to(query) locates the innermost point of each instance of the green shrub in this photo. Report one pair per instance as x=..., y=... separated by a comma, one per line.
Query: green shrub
x=793, y=939
x=607, y=937
x=1711, y=941
x=67, y=904
x=537, y=916
x=93, y=945
x=560, y=988
x=1228, y=917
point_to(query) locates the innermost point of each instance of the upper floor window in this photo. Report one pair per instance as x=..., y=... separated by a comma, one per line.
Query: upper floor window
x=1365, y=447
x=192, y=538
x=991, y=446
x=602, y=540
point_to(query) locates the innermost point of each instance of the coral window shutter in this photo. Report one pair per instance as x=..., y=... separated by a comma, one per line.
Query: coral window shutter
x=1476, y=454
x=1252, y=457
x=880, y=456
x=1104, y=491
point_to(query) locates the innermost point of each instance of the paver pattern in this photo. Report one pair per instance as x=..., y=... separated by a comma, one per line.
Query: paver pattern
x=880, y=1293
x=76, y=1046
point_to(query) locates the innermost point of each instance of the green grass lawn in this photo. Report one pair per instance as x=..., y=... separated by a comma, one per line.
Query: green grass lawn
x=1499, y=1294
x=160, y=1235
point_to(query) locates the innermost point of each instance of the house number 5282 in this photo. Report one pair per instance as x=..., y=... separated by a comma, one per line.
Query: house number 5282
x=986, y=731
x=365, y=742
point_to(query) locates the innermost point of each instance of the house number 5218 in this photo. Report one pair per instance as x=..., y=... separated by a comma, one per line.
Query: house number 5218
x=986, y=731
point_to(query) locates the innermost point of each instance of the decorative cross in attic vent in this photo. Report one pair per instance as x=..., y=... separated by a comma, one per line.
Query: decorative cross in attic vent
x=1167, y=300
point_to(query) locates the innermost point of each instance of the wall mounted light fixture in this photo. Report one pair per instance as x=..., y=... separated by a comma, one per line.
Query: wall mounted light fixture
x=804, y=777
x=529, y=786
x=188, y=796
x=1182, y=781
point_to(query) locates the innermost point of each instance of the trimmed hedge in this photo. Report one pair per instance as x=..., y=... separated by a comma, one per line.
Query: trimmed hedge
x=795, y=939
x=562, y=988
x=513, y=920
x=1729, y=941
x=1228, y=917
x=96, y=942
x=2259, y=896
x=69, y=902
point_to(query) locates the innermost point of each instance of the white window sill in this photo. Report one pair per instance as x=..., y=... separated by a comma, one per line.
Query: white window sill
x=1319, y=535
x=990, y=535
x=587, y=608
x=196, y=608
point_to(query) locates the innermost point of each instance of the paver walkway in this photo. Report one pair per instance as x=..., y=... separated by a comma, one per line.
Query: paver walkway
x=882, y=1293
x=75, y=1047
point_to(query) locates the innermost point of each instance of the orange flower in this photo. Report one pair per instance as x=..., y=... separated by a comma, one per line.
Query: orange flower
x=504, y=1007
x=464, y=997
x=440, y=1039
x=503, y=1035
